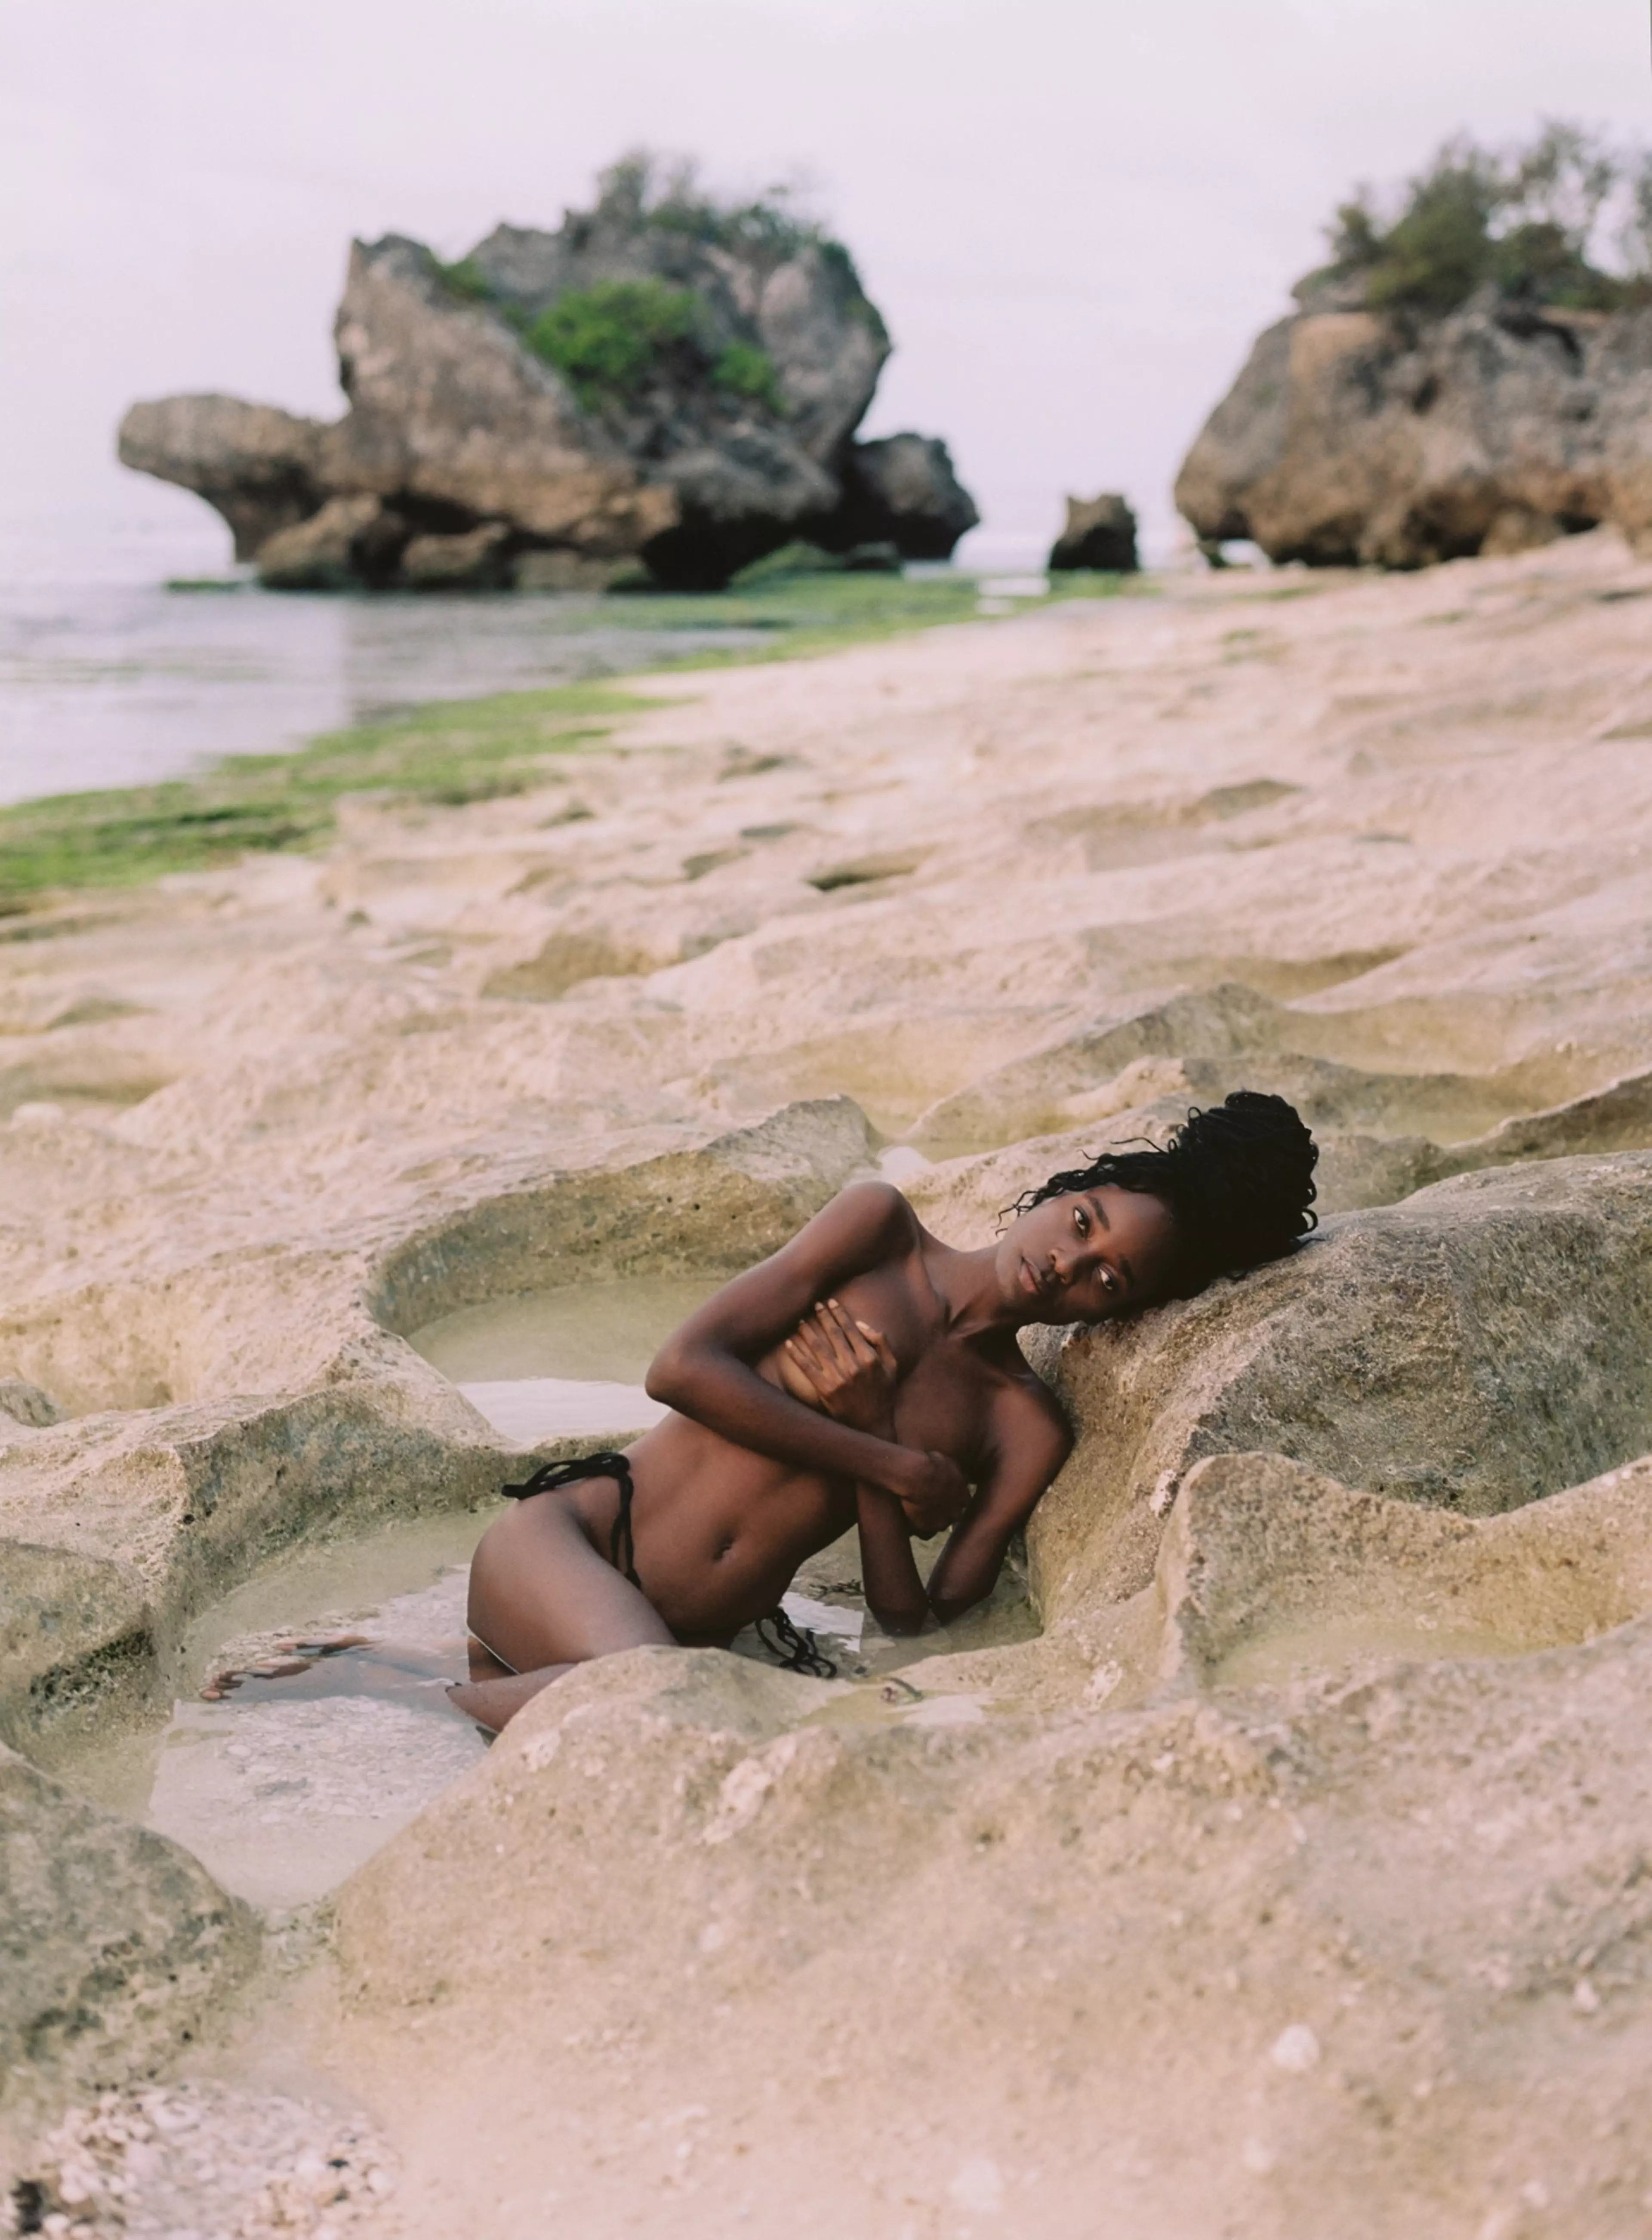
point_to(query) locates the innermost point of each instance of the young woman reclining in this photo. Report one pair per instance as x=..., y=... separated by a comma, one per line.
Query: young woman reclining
x=868, y=1374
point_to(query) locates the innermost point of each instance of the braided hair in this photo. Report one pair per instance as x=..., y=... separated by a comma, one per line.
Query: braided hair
x=1238, y=1179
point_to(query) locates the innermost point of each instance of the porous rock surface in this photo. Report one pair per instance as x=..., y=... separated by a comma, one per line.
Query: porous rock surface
x=1293, y=1879
x=1358, y=437
x=115, y=1943
x=457, y=429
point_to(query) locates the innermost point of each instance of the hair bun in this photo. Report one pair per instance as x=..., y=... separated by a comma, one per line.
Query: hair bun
x=1244, y=1170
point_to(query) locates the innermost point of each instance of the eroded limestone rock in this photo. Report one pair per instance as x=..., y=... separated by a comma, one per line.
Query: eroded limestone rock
x=477, y=560
x=1267, y=1564
x=260, y=467
x=77, y=1644
x=350, y=541
x=899, y=491
x=1479, y=1345
x=1261, y=1901
x=114, y=1942
x=726, y=436
x=1352, y=437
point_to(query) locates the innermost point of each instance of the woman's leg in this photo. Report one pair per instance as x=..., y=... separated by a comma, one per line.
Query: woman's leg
x=543, y=1599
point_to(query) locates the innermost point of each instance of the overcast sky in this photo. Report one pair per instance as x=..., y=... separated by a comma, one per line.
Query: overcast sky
x=1075, y=214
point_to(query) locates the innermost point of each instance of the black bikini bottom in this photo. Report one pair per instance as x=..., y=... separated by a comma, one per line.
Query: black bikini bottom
x=794, y=1646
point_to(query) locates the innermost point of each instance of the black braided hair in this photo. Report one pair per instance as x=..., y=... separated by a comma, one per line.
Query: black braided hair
x=1238, y=1178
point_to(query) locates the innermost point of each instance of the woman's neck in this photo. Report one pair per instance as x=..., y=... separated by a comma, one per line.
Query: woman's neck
x=967, y=1285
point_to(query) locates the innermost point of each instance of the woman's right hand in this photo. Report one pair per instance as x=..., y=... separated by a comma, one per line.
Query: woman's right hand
x=849, y=1368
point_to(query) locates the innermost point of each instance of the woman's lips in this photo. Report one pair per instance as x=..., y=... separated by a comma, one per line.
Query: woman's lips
x=1029, y=1279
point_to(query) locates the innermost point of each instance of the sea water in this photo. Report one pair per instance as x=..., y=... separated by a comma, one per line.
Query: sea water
x=109, y=678
x=567, y=1361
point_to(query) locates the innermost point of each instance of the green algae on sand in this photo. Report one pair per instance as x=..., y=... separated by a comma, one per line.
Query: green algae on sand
x=449, y=751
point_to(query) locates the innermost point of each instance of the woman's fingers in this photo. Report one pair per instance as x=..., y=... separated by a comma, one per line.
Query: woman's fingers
x=826, y=1365
x=828, y=1316
x=851, y=1336
x=881, y=1345
x=833, y=1348
x=802, y=1350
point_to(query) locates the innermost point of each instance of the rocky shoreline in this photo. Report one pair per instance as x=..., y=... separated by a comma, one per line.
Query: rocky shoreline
x=1293, y=1876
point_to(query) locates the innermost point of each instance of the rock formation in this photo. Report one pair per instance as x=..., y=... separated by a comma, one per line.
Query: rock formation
x=1464, y=376
x=659, y=379
x=113, y=1942
x=1352, y=437
x=899, y=491
x=1100, y=533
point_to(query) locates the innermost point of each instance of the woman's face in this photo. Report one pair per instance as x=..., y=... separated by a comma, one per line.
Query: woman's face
x=1088, y=1256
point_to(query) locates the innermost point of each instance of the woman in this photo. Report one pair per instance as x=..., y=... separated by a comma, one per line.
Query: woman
x=867, y=1375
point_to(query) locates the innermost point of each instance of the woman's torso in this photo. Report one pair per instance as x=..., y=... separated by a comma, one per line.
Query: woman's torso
x=720, y=1530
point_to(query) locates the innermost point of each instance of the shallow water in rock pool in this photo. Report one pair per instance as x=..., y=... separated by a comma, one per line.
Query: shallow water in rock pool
x=285, y=1784
x=564, y=1363
x=318, y=1723
x=337, y=1731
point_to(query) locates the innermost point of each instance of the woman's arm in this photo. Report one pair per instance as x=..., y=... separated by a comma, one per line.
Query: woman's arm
x=852, y=1373
x=1029, y=1444
x=705, y=1370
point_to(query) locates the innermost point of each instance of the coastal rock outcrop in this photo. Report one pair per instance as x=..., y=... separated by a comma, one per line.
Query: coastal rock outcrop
x=260, y=467
x=900, y=491
x=1099, y=532
x=1465, y=376
x=1353, y=436
x=659, y=379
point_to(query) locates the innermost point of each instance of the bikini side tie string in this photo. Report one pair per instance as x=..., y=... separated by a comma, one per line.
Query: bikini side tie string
x=550, y=1476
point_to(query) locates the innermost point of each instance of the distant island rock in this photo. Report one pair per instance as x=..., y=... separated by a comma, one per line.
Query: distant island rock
x=1100, y=533
x=664, y=380
x=1463, y=380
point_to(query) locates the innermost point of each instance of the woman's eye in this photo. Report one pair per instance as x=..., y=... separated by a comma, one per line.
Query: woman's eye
x=1080, y=1221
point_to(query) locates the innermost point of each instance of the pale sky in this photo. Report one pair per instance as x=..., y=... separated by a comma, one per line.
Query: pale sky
x=1074, y=214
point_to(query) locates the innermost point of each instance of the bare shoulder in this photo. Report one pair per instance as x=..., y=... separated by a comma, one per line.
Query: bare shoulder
x=875, y=1211
x=1027, y=1416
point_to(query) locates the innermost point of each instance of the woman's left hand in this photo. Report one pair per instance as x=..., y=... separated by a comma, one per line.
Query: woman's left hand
x=851, y=1366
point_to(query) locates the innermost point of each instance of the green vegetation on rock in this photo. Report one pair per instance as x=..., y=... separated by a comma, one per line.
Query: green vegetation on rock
x=466, y=278
x=610, y=338
x=1528, y=223
x=668, y=195
x=746, y=370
